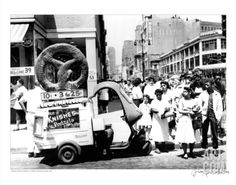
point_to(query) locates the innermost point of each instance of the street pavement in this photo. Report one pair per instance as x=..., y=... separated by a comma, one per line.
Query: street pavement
x=168, y=160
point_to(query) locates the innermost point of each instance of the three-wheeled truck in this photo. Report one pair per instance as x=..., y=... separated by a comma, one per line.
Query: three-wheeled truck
x=66, y=121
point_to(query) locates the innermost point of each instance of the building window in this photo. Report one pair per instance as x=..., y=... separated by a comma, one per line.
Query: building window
x=209, y=45
x=196, y=48
x=182, y=55
x=15, y=57
x=223, y=58
x=178, y=67
x=191, y=64
x=209, y=59
x=191, y=50
x=197, y=61
x=182, y=66
x=187, y=64
x=174, y=67
x=223, y=43
x=186, y=52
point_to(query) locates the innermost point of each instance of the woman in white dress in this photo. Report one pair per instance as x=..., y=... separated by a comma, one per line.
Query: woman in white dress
x=145, y=121
x=160, y=127
x=185, y=132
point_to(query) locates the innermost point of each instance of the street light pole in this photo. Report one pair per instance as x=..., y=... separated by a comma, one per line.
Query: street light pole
x=143, y=60
x=142, y=41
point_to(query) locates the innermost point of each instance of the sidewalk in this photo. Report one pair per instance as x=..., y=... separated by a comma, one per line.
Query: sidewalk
x=19, y=141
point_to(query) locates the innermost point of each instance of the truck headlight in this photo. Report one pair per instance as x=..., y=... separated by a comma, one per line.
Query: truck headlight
x=38, y=126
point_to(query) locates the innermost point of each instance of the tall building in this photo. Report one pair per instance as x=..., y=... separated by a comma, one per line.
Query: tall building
x=111, y=53
x=128, y=64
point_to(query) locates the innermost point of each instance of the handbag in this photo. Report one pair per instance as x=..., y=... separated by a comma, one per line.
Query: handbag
x=197, y=121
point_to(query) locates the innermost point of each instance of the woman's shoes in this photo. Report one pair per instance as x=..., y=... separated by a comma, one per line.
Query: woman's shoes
x=192, y=155
x=185, y=156
x=157, y=151
x=16, y=129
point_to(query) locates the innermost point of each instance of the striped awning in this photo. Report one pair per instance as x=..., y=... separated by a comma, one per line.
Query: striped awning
x=18, y=32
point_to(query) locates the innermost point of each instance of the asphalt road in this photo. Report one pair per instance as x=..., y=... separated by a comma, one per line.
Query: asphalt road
x=170, y=160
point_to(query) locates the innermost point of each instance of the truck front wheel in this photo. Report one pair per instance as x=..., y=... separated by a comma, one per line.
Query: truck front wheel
x=67, y=154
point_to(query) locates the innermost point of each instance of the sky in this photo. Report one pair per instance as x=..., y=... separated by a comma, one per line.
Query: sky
x=122, y=27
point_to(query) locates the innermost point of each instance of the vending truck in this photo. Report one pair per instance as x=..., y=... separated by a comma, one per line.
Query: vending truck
x=66, y=122
x=69, y=126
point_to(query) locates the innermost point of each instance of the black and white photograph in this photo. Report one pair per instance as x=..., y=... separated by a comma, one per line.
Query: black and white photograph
x=143, y=94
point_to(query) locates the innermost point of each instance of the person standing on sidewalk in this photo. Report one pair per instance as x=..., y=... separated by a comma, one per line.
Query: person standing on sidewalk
x=128, y=88
x=18, y=94
x=137, y=93
x=150, y=88
x=145, y=120
x=33, y=99
x=212, y=112
x=160, y=128
x=185, y=133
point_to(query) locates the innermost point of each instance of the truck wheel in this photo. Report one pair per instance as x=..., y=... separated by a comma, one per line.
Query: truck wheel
x=67, y=154
x=147, y=148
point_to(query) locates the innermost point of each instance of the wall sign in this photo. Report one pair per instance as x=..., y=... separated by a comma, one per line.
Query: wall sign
x=92, y=76
x=60, y=95
x=63, y=118
x=63, y=102
x=22, y=71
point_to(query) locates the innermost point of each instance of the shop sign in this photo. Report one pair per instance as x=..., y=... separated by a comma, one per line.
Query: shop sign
x=22, y=71
x=63, y=118
x=63, y=102
x=60, y=95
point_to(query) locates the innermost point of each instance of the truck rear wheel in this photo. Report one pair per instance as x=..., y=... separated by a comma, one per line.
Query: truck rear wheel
x=67, y=154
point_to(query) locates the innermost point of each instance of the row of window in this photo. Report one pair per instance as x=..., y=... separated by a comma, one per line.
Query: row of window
x=179, y=66
x=194, y=62
x=210, y=28
x=180, y=55
x=206, y=46
x=212, y=44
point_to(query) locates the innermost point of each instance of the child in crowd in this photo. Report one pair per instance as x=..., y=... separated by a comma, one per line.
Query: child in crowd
x=145, y=121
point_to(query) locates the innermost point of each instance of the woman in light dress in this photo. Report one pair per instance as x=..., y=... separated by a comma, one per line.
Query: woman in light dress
x=160, y=128
x=145, y=121
x=185, y=132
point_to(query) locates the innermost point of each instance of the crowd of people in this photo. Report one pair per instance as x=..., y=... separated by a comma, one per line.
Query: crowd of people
x=180, y=109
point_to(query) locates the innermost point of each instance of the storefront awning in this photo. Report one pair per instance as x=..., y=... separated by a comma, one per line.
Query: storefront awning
x=18, y=32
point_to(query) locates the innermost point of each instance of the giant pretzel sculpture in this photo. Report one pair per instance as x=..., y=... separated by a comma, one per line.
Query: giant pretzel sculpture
x=64, y=69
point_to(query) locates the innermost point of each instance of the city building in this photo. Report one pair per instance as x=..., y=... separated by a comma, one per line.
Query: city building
x=128, y=64
x=208, y=48
x=161, y=34
x=31, y=34
x=111, y=54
